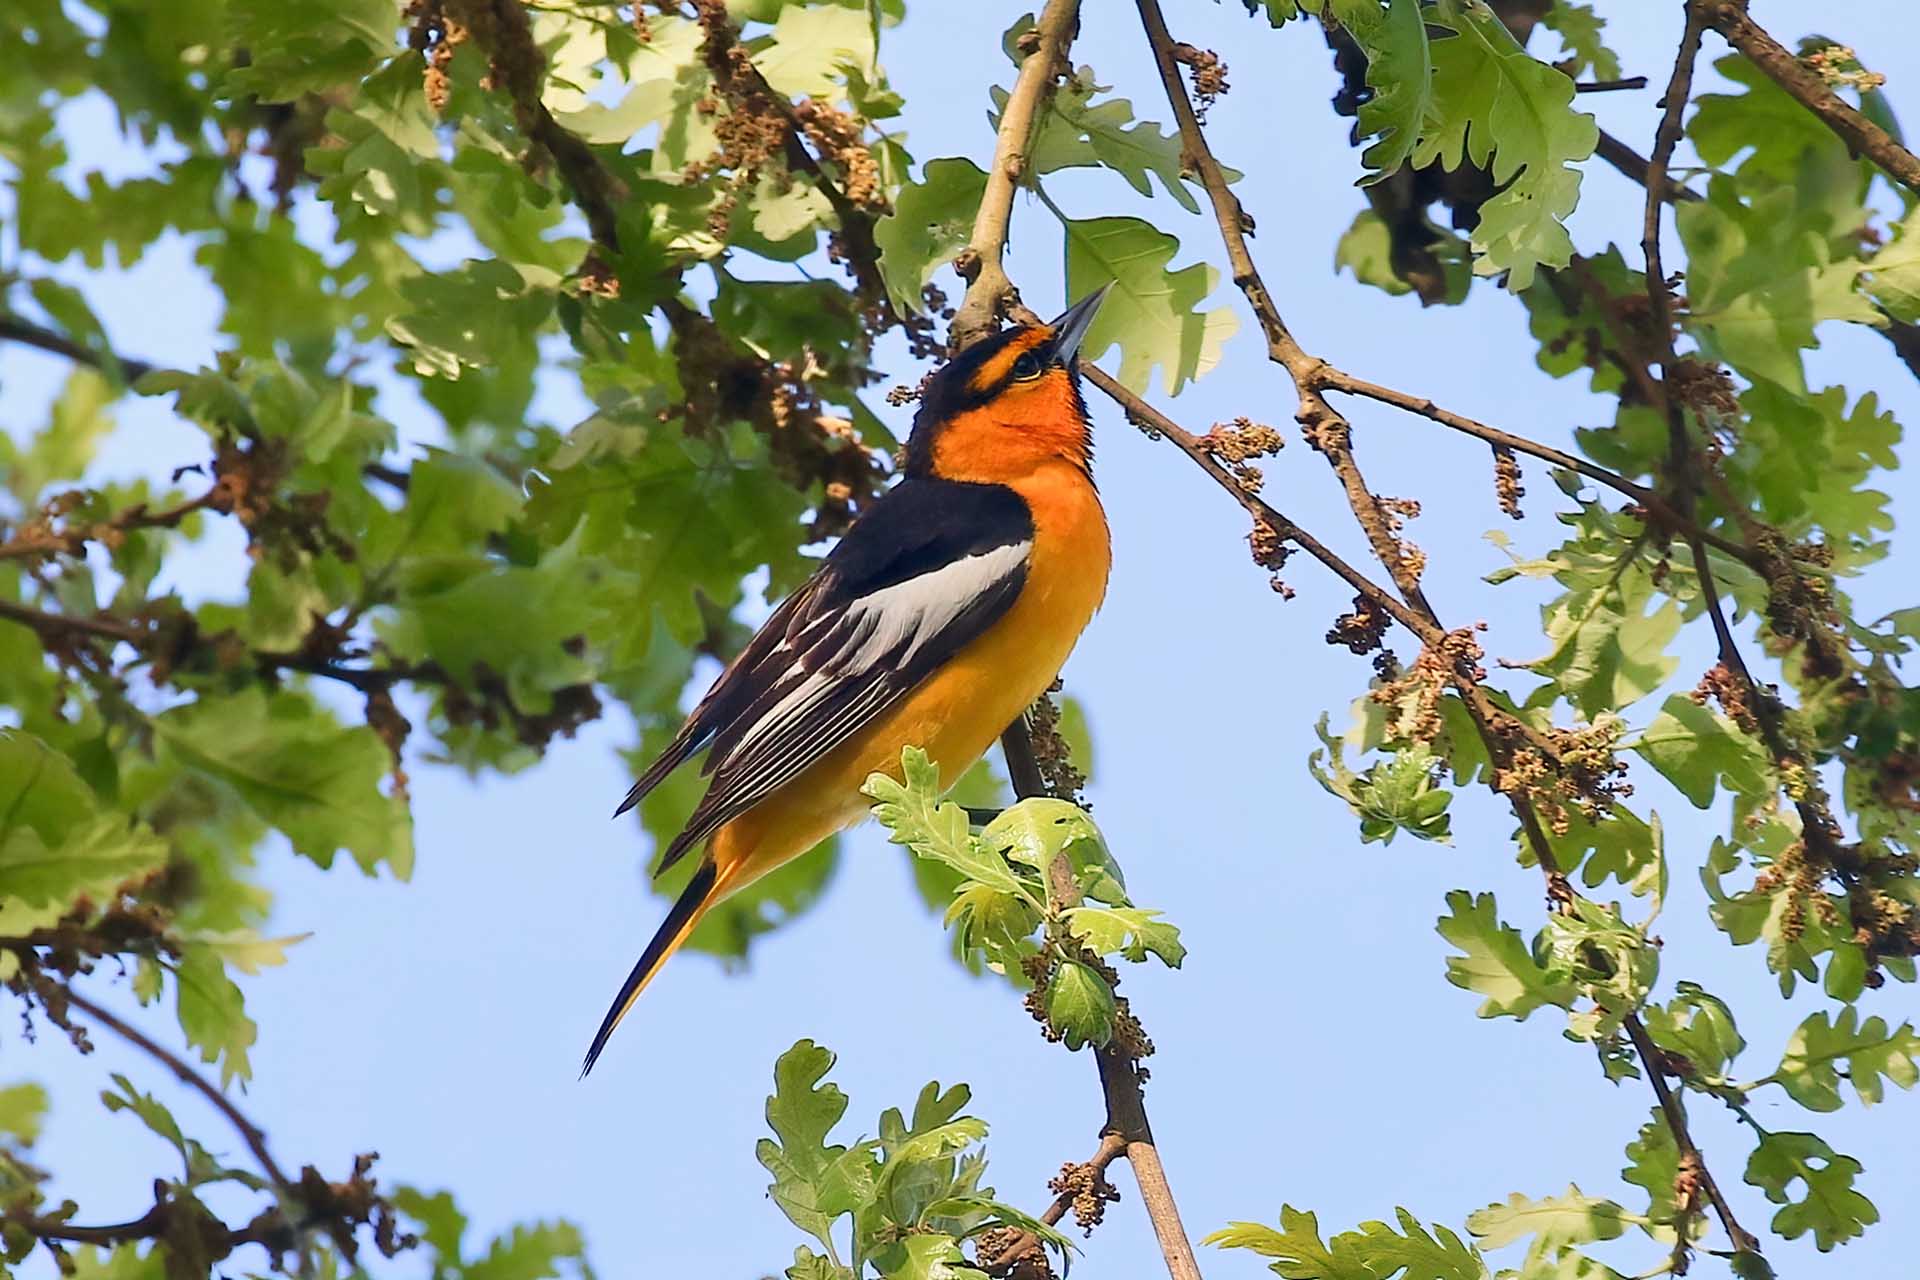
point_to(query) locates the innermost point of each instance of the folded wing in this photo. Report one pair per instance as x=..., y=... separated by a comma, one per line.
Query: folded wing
x=923, y=573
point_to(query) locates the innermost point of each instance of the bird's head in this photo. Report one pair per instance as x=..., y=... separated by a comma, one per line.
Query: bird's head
x=1008, y=405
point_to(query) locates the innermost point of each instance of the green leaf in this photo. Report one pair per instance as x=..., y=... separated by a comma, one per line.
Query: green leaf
x=931, y=222
x=1152, y=314
x=197, y=1164
x=912, y=813
x=1374, y=1252
x=468, y=318
x=1077, y=132
x=1496, y=963
x=1366, y=249
x=808, y=1265
x=1579, y=29
x=60, y=452
x=1080, y=1005
x=213, y=1014
x=1765, y=119
x=1038, y=829
x=928, y=1257
x=1761, y=275
x=1507, y=112
x=1698, y=749
x=1554, y=1222
x=1654, y=1166
x=1893, y=274
x=814, y=47
x=1830, y=1208
x=1400, y=793
x=1413, y=1252
x=1127, y=931
x=1608, y=650
x=300, y=770
x=532, y=1253
x=22, y=1108
x=442, y=1225
x=1698, y=1026
x=55, y=848
x=1296, y=1247
x=1869, y=1050
x=801, y=1111
x=1612, y=962
x=1399, y=73
x=295, y=49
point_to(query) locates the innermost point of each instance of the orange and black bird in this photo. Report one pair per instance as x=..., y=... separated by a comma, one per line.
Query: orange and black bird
x=947, y=608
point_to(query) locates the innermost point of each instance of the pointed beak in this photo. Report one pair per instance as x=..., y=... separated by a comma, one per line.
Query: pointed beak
x=1070, y=330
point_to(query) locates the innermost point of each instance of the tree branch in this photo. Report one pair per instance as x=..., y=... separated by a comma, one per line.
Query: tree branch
x=1329, y=432
x=1609, y=86
x=1731, y=20
x=1665, y=512
x=518, y=65
x=1112, y=1147
x=14, y=329
x=983, y=261
x=1120, y=1075
x=250, y=1133
x=49, y=624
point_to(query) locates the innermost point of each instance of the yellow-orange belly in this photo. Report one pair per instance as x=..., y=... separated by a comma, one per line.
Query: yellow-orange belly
x=958, y=712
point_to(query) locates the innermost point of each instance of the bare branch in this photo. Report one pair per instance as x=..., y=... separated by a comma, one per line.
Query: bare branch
x=1609, y=86
x=14, y=329
x=988, y=288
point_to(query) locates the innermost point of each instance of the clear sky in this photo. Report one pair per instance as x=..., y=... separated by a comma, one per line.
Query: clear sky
x=1310, y=1051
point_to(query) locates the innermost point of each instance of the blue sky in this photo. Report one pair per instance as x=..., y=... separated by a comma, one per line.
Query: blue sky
x=1310, y=1051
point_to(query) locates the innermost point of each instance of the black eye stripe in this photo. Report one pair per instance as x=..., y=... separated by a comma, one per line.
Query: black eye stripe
x=1027, y=365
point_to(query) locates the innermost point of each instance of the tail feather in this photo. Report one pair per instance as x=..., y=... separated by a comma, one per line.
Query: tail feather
x=701, y=892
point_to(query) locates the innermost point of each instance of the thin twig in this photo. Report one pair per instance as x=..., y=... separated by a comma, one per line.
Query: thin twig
x=983, y=261
x=1145, y=415
x=1339, y=380
x=1676, y=1116
x=1777, y=63
x=14, y=329
x=1609, y=86
x=1634, y=165
x=102, y=628
x=250, y=1133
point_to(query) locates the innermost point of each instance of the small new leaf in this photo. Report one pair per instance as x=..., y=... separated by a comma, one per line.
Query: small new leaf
x=913, y=814
x=1127, y=931
x=1554, y=1222
x=1080, y=1005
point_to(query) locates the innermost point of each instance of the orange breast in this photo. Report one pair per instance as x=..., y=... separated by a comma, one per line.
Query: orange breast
x=956, y=714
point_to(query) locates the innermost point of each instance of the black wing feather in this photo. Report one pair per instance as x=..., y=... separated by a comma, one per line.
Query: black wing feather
x=819, y=635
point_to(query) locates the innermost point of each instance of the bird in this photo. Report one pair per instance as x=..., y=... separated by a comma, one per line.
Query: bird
x=942, y=613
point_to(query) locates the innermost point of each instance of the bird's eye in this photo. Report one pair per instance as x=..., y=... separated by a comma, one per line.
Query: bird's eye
x=1027, y=366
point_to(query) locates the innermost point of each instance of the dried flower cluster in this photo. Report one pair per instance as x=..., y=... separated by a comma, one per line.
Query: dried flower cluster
x=1235, y=446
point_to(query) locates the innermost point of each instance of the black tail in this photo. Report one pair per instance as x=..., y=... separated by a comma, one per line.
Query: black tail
x=687, y=910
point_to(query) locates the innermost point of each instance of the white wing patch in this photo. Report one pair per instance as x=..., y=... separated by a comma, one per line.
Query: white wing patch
x=912, y=613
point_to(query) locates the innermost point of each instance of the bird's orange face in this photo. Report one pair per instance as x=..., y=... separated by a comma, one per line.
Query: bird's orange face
x=1028, y=413
x=1008, y=407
